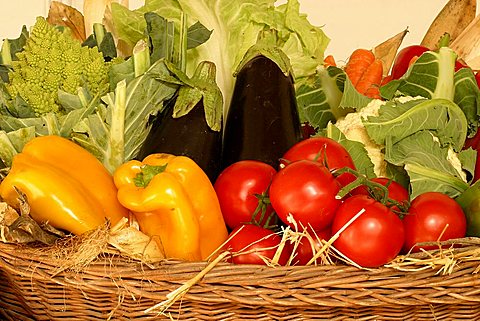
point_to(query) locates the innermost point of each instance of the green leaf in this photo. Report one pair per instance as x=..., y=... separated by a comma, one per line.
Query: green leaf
x=427, y=164
x=318, y=100
x=352, y=98
x=235, y=25
x=161, y=33
x=201, y=86
x=397, y=121
x=81, y=106
x=147, y=173
x=122, y=71
x=102, y=39
x=9, y=123
x=11, y=47
x=431, y=76
x=468, y=159
x=12, y=143
x=197, y=35
x=115, y=134
x=467, y=98
x=357, y=150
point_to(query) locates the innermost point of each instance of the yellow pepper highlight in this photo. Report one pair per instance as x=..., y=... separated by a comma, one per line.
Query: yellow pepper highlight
x=174, y=202
x=64, y=185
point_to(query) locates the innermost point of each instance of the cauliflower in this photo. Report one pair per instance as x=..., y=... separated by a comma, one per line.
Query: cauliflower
x=53, y=60
x=452, y=158
x=352, y=127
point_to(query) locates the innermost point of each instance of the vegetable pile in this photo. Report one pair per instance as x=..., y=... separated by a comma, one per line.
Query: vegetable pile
x=163, y=122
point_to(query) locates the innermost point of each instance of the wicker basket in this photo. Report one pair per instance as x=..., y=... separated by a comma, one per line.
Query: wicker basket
x=114, y=288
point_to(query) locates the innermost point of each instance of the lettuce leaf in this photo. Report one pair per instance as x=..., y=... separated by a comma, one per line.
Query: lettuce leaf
x=235, y=25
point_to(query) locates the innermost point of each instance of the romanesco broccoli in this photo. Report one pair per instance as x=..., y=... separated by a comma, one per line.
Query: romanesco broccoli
x=51, y=60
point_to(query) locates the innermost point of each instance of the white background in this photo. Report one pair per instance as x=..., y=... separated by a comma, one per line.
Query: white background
x=350, y=24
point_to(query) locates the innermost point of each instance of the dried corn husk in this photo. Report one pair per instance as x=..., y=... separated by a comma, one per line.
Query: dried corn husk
x=467, y=44
x=126, y=237
x=455, y=16
x=387, y=50
x=64, y=15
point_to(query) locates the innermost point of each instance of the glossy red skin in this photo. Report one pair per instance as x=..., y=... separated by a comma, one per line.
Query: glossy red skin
x=255, y=242
x=474, y=143
x=305, y=189
x=374, y=238
x=236, y=187
x=303, y=252
x=403, y=58
x=395, y=191
x=427, y=217
x=324, y=150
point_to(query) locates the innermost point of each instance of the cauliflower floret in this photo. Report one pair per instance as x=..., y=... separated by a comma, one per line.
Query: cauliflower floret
x=352, y=127
x=452, y=158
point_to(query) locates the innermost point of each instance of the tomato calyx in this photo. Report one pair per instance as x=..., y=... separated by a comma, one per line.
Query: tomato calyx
x=377, y=191
x=263, y=204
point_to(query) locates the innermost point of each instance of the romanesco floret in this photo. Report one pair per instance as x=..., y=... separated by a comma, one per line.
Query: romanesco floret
x=53, y=60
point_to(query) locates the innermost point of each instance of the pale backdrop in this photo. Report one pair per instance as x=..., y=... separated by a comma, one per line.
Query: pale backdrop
x=349, y=23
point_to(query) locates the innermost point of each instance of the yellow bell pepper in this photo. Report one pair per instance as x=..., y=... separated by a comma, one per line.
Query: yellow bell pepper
x=65, y=185
x=175, y=203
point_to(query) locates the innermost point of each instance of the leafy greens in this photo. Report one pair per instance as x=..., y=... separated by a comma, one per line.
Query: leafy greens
x=235, y=25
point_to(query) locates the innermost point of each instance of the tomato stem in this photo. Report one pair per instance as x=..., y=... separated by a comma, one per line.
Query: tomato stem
x=376, y=190
x=263, y=203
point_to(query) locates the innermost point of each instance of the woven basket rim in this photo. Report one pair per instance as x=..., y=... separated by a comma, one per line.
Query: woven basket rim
x=239, y=286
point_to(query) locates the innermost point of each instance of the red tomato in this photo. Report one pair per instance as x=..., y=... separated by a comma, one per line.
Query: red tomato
x=474, y=143
x=396, y=191
x=305, y=189
x=249, y=243
x=324, y=150
x=303, y=252
x=427, y=218
x=408, y=55
x=308, y=130
x=403, y=58
x=237, y=188
x=374, y=238
x=477, y=78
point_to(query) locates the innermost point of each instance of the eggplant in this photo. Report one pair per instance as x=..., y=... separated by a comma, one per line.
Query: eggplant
x=191, y=122
x=188, y=135
x=262, y=121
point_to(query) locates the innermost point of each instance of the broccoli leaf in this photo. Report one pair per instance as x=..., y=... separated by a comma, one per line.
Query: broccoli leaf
x=115, y=134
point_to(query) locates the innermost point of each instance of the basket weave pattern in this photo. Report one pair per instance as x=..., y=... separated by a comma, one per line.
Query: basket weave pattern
x=115, y=288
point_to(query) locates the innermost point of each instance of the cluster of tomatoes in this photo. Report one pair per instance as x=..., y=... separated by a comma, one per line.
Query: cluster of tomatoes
x=372, y=224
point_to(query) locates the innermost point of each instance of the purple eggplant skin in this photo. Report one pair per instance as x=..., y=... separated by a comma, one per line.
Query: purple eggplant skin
x=262, y=122
x=188, y=135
